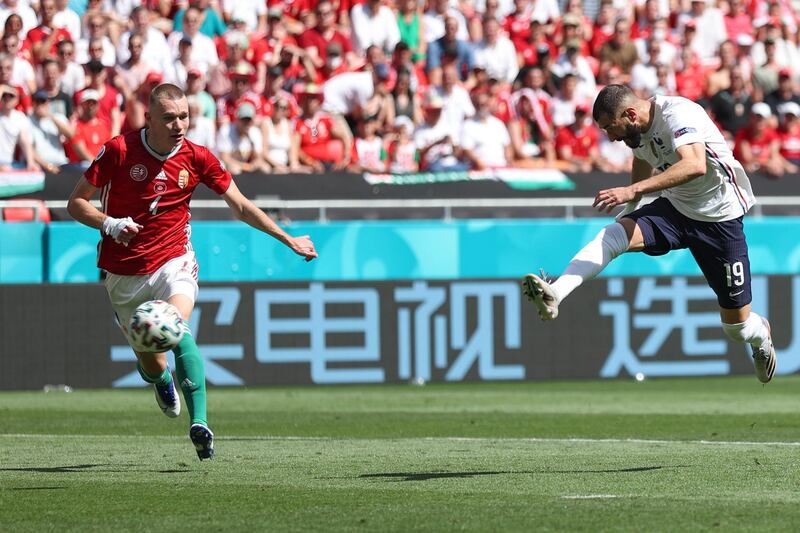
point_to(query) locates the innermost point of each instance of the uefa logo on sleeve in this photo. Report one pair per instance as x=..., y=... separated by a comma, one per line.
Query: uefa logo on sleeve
x=138, y=172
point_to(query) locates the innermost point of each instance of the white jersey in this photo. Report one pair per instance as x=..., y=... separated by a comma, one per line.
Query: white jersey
x=724, y=192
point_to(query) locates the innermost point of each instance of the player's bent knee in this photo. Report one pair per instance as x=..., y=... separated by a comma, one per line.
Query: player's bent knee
x=615, y=239
x=633, y=234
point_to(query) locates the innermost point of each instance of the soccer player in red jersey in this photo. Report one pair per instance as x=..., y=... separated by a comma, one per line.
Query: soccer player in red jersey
x=146, y=179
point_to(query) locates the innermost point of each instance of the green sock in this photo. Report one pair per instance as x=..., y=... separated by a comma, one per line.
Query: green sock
x=192, y=378
x=163, y=379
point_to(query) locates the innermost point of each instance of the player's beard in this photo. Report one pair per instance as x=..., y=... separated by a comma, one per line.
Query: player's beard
x=633, y=135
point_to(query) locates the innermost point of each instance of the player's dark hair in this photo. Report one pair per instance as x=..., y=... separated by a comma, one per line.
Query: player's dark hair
x=165, y=91
x=610, y=100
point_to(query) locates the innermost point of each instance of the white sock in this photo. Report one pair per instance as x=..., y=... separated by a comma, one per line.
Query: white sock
x=753, y=331
x=593, y=258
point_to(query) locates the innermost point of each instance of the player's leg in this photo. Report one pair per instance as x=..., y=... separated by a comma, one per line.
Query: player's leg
x=176, y=282
x=153, y=369
x=189, y=365
x=609, y=243
x=126, y=294
x=720, y=250
x=191, y=375
x=637, y=231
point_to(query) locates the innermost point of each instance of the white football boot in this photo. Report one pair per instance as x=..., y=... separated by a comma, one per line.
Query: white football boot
x=764, y=358
x=542, y=295
x=168, y=399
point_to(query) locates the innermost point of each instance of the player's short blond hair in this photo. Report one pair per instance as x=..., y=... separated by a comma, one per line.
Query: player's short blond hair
x=165, y=91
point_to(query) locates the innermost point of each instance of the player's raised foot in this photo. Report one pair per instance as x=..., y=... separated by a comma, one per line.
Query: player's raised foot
x=542, y=295
x=203, y=440
x=764, y=357
x=168, y=399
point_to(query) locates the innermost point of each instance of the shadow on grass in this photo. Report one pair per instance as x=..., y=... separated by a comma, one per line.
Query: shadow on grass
x=425, y=476
x=74, y=469
x=53, y=469
x=36, y=488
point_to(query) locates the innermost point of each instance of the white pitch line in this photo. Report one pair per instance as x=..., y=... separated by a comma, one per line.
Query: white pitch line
x=532, y=440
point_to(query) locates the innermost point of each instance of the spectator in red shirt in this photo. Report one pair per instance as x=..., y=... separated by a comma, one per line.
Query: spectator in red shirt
x=44, y=38
x=316, y=40
x=758, y=145
x=737, y=20
x=789, y=132
x=241, y=77
x=321, y=141
x=275, y=90
x=90, y=132
x=6, y=72
x=690, y=78
x=333, y=65
x=517, y=25
x=536, y=47
x=643, y=26
x=578, y=144
x=603, y=27
x=109, y=98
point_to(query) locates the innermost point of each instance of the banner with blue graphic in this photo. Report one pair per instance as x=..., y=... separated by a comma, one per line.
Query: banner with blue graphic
x=403, y=331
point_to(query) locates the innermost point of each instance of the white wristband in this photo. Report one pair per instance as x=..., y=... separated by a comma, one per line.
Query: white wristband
x=113, y=226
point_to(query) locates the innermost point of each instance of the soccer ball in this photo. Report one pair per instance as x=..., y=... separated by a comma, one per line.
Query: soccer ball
x=156, y=326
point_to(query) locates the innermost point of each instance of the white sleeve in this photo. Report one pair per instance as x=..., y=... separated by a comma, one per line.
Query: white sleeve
x=256, y=138
x=392, y=29
x=224, y=143
x=502, y=133
x=357, y=24
x=511, y=58
x=680, y=123
x=467, y=140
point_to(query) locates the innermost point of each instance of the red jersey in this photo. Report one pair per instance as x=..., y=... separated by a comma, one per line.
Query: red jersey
x=227, y=106
x=759, y=144
x=41, y=33
x=581, y=141
x=316, y=139
x=518, y=28
x=153, y=190
x=790, y=143
x=314, y=39
x=93, y=133
x=108, y=101
x=691, y=82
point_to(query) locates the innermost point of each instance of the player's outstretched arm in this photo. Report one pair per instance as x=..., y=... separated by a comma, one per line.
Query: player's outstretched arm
x=248, y=213
x=81, y=209
x=691, y=165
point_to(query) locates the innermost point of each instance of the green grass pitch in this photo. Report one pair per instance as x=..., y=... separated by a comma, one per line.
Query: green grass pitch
x=663, y=455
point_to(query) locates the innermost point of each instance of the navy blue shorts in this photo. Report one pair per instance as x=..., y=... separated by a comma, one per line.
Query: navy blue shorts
x=719, y=248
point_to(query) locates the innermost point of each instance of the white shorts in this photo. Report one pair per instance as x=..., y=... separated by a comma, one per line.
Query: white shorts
x=177, y=276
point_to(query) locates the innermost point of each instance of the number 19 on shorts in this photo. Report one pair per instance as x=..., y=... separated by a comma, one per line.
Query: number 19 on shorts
x=734, y=274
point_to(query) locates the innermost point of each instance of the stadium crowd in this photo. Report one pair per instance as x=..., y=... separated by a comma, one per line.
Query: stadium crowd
x=404, y=86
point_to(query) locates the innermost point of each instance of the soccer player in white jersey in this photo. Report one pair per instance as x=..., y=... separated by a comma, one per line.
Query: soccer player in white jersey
x=705, y=193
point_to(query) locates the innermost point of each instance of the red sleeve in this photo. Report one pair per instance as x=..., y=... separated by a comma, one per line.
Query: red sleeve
x=213, y=174
x=562, y=138
x=595, y=136
x=305, y=40
x=773, y=135
x=105, y=164
x=347, y=46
